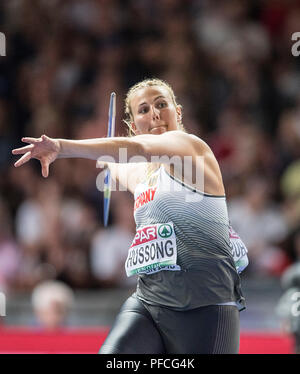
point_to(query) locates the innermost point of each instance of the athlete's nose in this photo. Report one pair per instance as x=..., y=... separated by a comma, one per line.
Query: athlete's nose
x=155, y=113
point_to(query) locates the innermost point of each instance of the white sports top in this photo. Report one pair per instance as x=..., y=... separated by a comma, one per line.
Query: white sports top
x=182, y=250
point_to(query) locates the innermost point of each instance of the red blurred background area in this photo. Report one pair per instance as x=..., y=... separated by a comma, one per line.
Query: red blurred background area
x=89, y=340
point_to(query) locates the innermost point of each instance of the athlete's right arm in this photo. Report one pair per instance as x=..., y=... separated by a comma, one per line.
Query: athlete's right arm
x=47, y=150
x=137, y=149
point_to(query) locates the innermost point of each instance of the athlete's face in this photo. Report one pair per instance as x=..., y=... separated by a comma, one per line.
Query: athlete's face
x=154, y=111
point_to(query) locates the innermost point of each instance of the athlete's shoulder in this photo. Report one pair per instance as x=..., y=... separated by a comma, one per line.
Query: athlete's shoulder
x=199, y=144
x=179, y=134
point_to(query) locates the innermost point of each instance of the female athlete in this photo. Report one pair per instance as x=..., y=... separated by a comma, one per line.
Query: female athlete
x=185, y=253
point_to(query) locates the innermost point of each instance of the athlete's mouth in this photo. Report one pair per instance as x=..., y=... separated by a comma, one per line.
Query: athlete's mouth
x=158, y=129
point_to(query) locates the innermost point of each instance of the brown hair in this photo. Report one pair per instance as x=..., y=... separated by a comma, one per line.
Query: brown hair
x=146, y=83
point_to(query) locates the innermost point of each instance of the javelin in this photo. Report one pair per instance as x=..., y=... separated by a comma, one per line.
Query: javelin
x=110, y=133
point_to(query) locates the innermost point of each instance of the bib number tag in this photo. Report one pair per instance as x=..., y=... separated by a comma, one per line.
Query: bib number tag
x=153, y=249
x=239, y=251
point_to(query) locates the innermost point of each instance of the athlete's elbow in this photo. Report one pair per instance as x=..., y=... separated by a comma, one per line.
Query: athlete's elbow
x=146, y=151
x=139, y=151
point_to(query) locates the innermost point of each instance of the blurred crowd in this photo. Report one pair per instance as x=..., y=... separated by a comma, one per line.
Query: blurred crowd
x=231, y=67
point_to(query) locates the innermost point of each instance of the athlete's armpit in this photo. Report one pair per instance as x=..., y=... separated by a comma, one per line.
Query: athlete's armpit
x=128, y=175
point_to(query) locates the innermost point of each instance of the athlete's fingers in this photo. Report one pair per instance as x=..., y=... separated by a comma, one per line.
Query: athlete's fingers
x=23, y=159
x=45, y=168
x=31, y=140
x=19, y=151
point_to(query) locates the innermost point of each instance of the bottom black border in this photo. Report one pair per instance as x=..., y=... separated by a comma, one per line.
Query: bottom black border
x=142, y=363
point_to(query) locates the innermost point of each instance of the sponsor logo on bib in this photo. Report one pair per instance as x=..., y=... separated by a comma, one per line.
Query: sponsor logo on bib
x=165, y=230
x=153, y=249
x=238, y=250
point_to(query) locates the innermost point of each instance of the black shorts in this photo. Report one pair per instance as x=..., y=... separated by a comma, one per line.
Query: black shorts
x=141, y=328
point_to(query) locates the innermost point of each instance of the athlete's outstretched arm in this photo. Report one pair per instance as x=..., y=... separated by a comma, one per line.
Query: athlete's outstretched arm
x=172, y=143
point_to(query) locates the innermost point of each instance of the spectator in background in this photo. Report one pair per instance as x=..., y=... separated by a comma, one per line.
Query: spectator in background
x=261, y=225
x=37, y=217
x=9, y=251
x=289, y=164
x=288, y=142
x=288, y=307
x=109, y=247
x=52, y=302
x=79, y=223
x=54, y=233
x=290, y=185
x=37, y=228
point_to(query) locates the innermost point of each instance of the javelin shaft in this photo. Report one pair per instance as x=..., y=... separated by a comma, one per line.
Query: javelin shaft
x=110, y=133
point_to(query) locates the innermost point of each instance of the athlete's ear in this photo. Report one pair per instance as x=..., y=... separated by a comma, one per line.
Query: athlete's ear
x=134, y=129
x=179, y=113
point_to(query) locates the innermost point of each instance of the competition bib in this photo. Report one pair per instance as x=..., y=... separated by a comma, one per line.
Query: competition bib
x=239, y=251
x=153, y=249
